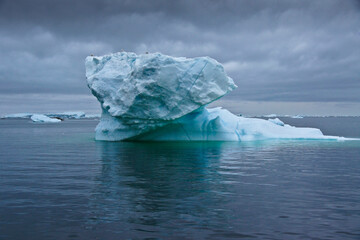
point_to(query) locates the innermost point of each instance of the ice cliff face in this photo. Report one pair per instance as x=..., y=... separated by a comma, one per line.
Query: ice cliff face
x=158, y=97
x=155, y=86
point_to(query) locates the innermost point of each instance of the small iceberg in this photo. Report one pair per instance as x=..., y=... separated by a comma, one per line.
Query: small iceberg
x=40, y=118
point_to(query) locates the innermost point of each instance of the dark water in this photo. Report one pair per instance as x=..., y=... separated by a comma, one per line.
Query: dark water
x=56, y=182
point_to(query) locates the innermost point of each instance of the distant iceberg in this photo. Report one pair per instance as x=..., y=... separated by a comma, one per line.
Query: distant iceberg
x=297, y=116
x=155, y=97
x=44, y=119
x=62, y=115
x=273, y=115
x=92, y=116
x=70, y=115
x=18, y=115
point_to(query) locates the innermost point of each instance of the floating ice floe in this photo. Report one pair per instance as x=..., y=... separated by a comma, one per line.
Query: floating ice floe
x=155, y=97
x=44, y=119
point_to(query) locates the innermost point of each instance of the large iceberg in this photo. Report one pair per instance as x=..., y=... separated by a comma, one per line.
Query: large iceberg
x=155, y=97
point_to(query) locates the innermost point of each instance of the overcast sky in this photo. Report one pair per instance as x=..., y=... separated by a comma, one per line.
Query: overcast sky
x=287, y=57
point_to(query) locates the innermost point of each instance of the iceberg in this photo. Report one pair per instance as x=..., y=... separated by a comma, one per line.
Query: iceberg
x=155, y=97
x=44, y=119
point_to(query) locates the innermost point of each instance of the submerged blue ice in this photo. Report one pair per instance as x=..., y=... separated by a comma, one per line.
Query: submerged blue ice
x=155, y=97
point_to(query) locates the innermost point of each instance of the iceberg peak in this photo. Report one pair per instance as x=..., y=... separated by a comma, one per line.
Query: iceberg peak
x=155, y=86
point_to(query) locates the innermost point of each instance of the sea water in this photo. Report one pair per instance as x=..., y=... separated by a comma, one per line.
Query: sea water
x=57, y=182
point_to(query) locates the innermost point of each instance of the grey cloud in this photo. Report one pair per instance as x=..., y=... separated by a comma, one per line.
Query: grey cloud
x=303, y=51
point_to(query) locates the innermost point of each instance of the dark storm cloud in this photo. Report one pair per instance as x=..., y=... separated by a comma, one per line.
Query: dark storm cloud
x=274, y=50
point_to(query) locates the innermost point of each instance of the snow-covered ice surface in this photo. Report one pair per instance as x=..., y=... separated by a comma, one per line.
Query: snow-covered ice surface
x=154, y=97
x=276, y=121
x=44, y=119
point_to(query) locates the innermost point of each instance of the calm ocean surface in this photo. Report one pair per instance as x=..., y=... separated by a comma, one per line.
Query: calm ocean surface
x=56, y=182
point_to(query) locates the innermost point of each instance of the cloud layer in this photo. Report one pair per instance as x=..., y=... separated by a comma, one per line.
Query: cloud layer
x=287, y=51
